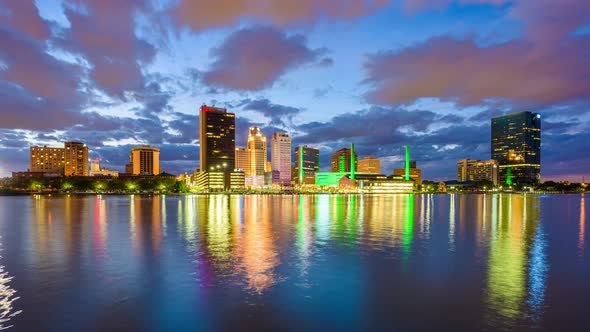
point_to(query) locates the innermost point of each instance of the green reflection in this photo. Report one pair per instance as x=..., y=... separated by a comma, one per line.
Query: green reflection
x=514, y=227
x=408, y=230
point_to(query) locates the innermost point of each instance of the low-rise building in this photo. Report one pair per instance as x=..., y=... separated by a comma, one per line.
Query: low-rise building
x=477, y=170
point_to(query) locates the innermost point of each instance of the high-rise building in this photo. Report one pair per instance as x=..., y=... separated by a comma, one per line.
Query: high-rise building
x=47, y=159
x=341, y=161
x=217, y=139
x=145, y=160
x=516, y=145
x=369, y=165
x=477, y=170
x=257, y=153
x=280, y=154
x=307, y=163
x=71, y=160
x=76, y=159
x=242, y=160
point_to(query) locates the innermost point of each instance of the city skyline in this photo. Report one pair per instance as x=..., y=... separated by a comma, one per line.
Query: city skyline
x=407, y=86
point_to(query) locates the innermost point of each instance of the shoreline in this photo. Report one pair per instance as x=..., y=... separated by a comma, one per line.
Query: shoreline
x=58, y=193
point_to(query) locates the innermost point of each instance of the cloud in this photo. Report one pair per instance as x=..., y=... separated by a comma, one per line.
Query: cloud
x=24, y=16
x=29, y=66
x=413, y=6
x=103, y=32
x=204, y=14
x=254, y=58
x=548, y=64
x=279, y=115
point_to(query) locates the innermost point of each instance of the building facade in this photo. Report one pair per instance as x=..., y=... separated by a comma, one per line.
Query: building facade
x=341, y=161
x=280, y=154
x=415, y=174
x=257, y=153
x=47, y=159
x=370, y=165
x=242, y=160
x=516, y=145
x=307, y=164
x=220, y=181
x=217, y=139
x=145, y=160
x=477, y=170
x=96, y=170
x=76, y=159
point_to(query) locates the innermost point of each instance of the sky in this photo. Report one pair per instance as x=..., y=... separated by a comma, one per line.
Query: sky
x=381, y=74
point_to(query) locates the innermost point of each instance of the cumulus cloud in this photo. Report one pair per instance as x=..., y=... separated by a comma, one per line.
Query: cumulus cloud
x=279, y=115
x=103, y=32
x=24, y=16
x=203, y=14
x=548, y=64
x=254, y=58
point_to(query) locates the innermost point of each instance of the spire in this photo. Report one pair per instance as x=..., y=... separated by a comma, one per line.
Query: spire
x=407, y=162
x=352, y=161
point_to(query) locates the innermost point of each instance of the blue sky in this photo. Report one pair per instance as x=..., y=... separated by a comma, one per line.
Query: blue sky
x=381, y=74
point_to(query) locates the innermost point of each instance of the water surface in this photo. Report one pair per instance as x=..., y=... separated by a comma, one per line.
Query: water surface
x=314, y=263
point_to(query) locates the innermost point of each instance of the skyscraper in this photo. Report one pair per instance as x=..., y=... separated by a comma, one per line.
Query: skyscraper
x=145, y=160
x=76, y=159
x=341, y=161
x=307, y=163
x=280, y=153
x=217, y=139
x=257, y=153
x=516, y=145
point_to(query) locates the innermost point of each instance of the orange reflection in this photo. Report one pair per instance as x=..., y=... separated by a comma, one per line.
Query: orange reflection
x=258, y=253
x=156, y=222
x=100, y=227
x=582, y=225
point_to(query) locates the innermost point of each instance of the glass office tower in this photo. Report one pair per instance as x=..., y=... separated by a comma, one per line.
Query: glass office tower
x=516, y=145
x=217, y=139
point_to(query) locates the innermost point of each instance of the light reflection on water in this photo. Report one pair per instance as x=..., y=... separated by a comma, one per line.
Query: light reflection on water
x=7, y=297
x=216, y=254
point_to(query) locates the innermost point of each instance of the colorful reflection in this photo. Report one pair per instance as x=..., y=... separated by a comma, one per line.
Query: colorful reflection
x=517, y=263
x=582, y=225
x=257, y=253
x=408, y=233
x=7, y=298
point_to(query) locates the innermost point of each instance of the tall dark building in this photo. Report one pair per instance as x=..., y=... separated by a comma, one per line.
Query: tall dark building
x=341, y=161
x=516, y=145
x=217, y=139
x=307, y=163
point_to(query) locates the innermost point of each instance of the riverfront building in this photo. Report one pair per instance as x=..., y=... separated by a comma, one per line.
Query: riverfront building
x=516, y=145
x=219, y=181
x=280, y=154
x=76, y=159
x=477, y=170
x=242, y=161
x=71, y=160
x=217, y=139
x=96, y=170
x=307, y=164
x=369, y=165
x=341, y=160
x=47, y=159
x=144, y=160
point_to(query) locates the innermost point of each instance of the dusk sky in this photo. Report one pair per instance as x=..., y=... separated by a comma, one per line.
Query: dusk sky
x=382, y=74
